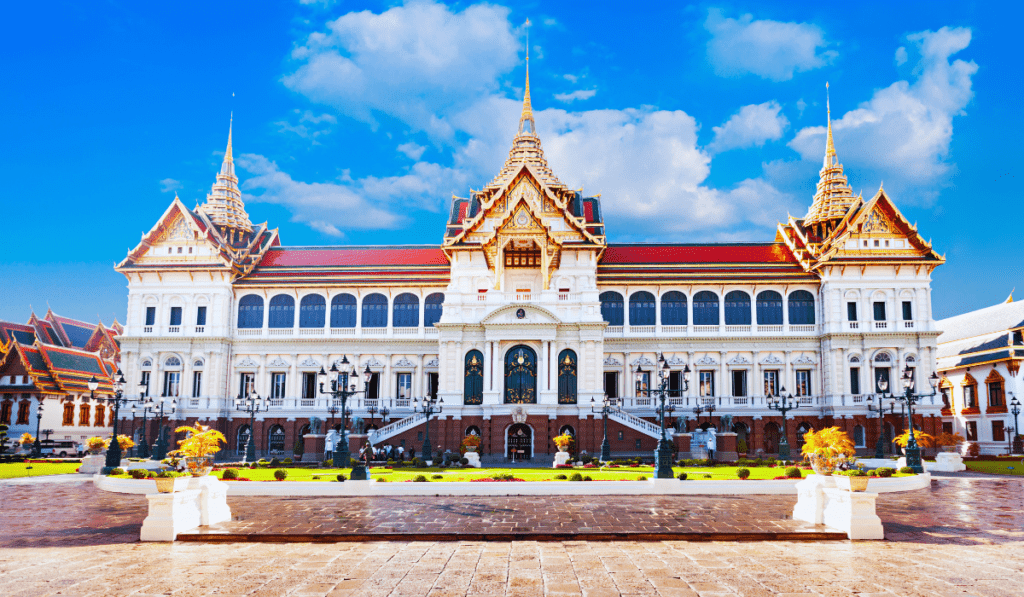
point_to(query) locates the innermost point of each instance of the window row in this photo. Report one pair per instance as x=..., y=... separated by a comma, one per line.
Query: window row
x=171, y=387
x=175, y=316
x=768, y=306
x=707, y=379
x=879, y=311
x=994, y=384
x=313, y=311
x=309, y=387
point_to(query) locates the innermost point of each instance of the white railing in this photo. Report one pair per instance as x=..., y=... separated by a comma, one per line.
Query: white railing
x=881, y=325
x=857, y=398
x=402, y=402
x=375, y=331
x=769, y=329
x=569, y=296
x=806, y=400
x=407, y=331
x=739, y=400
x=613, y=329
x=673, y=329
x=193, y=403
x=908, y=325
x=642, y=425
x=519, y=297
x=388, y=431
x=430, y=332
x=200, y=329
x=371, y=402
x=174, y=329
x=737, y=329
x=148, y=329
x=307, y=402
x=642, y=402
x=641, y=329
x=803, y=328
x=250, y=332
x=675, y=401
x=343, y=331
x=705, y=329
x=311, y=331
x=281, y=331
x=277, y=402
x=854, y=325
x=481, y=297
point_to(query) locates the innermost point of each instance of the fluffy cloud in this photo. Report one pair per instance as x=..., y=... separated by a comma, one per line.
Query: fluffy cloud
x=168, y=185
x=419, y=62
x=752, y=126
x=769, y=49
x=308, y=125
x=411, y=150
x=902, y=134
x=579, y=94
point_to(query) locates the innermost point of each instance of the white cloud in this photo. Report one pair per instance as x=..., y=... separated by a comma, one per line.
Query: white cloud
x=308, y=125
x=902, y=134
x=412, y=150
x=752, y=126
x=570, y=78
x=579, y=94
x=769, y=49
x=168, y=185
x=419, y=62
x=901, y=56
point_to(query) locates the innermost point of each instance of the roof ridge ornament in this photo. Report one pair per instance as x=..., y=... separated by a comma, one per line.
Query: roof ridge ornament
x=833, y=196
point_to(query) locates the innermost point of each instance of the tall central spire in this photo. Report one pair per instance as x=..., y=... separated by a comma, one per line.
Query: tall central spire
x=224, y=203
x=526, y=124
x=833, y=196
x=830, y=147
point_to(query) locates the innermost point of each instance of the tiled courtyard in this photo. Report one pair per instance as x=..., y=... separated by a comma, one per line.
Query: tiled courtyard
x=965, y=536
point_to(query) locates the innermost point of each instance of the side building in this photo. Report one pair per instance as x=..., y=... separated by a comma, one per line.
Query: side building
x=523, y=317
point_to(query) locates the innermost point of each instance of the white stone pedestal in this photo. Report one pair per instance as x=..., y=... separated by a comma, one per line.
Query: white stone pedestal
x=170, y=514
x=946, y=462
x=560, y=458
x=473, y=458
x=213, y=499
x=900, y=462
x=92, y=464
x=853, y=512
x=810, y=503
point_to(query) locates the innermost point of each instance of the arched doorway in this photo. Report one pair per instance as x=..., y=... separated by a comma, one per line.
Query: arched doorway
x=742, y=435
x=771, y=438
x=521, y=376
x=519, y=442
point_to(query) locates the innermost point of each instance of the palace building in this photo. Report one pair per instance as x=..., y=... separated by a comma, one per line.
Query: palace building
x=524, y=315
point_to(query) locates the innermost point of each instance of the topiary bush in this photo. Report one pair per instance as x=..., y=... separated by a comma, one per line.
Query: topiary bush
x=288, y=461
x=263, y=462
x=117, y=471
x=743, y=473
x=576, y=477
x=560, y=477
x=138, y=473
x=420, y=479
x=681, y=476
x=329, y=462
x=884, y=471
x=280, y=474
x=642, y=478
x=437, y=476
x=275, y=462
x=906, y=470
x=341, y=478
x=230, y=473
x=587, y=478
x=793, y=473
x=464, y=461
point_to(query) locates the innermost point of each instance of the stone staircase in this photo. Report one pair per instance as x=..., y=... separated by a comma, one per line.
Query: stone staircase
x=392, y=429
x=642, y=425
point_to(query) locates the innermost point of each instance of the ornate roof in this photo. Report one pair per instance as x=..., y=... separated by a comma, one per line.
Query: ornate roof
x=406, y=265
x=700, y=264
x=833, y=197
x=224, y=204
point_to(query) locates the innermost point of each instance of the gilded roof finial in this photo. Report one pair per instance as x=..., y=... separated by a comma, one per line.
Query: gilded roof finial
x=830, y=148
x=526, y=124
x=231, y=122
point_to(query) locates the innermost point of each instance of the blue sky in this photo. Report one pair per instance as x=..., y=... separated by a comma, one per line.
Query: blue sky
x=354, y=122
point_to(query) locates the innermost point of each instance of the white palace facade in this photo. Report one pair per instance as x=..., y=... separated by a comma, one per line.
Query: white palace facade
x=523, y=315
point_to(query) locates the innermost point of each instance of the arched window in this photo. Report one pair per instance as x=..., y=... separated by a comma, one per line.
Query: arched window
x=375, y=311
x=312, y=311
x=172, y=362
x=705, y=308
x=673, y=308
x=282, y=312
x=473, y=430
x=242, y=439
x=567, y=430
x=611, y=307
x=407, y=311
x=858, y=436
x=641, y=308
x=737, y=308
x=250, y=311
x=567, y=376
x=343, y=311
x=801, y=308
x=276, y=439
x=769, y=308
x=473, y=390
x=432, y=308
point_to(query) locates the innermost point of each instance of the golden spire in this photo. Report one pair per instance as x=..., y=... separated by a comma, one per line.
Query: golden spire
x=830, y=148
x=526, y=124
x=231, y=122
x=833, y=197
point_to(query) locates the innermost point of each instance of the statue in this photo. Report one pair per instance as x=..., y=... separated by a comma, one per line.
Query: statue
x=681, y=424
x=726, y=423
x=358, y=426
x=315, y=425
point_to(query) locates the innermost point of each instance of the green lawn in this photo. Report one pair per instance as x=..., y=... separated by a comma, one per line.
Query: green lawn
x=1013, y=467
x=10, y=471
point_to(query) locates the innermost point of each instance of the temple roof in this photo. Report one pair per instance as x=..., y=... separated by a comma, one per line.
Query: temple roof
x=833, y=197
x=700, y=264
x=224, y=204
x=412, y=265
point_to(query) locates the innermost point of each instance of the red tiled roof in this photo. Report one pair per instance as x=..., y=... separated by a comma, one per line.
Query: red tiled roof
x=696, y=254
x=352, y=256
x=412, y=265
x=700, y=264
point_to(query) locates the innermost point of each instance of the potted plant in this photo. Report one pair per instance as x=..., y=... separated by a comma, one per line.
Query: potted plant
x=125, y=442
x=949, y=442
x=470, y=443
x=198, y=448
x=923, y=439
x=564, y=442
x=96, y=444
x=165, y=481
x=852, y=480
x=827, y=449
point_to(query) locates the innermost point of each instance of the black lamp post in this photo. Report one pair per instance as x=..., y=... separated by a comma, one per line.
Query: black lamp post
x=252, y=404
x=161, y=409
x=429, y=407
x=909, y=398
x=146, y=405
x=341, y=389
x=1018, y=445
x=37, y=448
x=783, y=404
x=704, y=408
x=114, y=451
x=663, y=455
x=880, y=409
x=606, y=407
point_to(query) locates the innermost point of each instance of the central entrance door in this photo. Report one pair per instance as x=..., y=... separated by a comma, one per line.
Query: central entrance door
x=520, y=442
x=521, y=376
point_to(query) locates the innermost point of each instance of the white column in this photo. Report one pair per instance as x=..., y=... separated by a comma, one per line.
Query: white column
x=724, y=388
x=542, y=366
x=553, y=367
x=789, y=373
x=418, y=387
x=387, y=382
x=292, y=386
x=628, y=386
x=488, y=366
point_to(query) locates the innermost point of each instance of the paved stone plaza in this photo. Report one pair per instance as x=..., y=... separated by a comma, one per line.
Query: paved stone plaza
x=965, y=536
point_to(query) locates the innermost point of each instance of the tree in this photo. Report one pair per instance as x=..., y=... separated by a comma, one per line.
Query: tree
x=3, y=438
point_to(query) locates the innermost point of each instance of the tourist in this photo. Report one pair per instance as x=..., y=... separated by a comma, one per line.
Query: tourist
x=711, y=448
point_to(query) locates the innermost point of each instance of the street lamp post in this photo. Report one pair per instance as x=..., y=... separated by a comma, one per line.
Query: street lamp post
x=252, y=404
x=37, y=448
x=909, y=398
x=342, y=389
x=606, y=408
x=880, y=444
x=160, y=447
x=663, y=454
x=1018, y=445
x=114, y=451
x=429, y=407
x=704, y=408
x=146, y=404
x=783, y=404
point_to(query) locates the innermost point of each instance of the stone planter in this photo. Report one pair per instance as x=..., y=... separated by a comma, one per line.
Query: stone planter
x=199, y=466
x=953, y=448
x=822, y=465
x=852, y=483
x=164, y=484
x=561, y=458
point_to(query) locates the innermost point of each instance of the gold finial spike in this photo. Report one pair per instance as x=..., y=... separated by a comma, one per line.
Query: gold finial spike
x=526, y=124
x=231, y=122
x=830, y=148
x=1009, y=299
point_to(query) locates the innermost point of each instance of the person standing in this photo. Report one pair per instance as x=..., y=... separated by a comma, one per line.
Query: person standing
x=711, y=447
